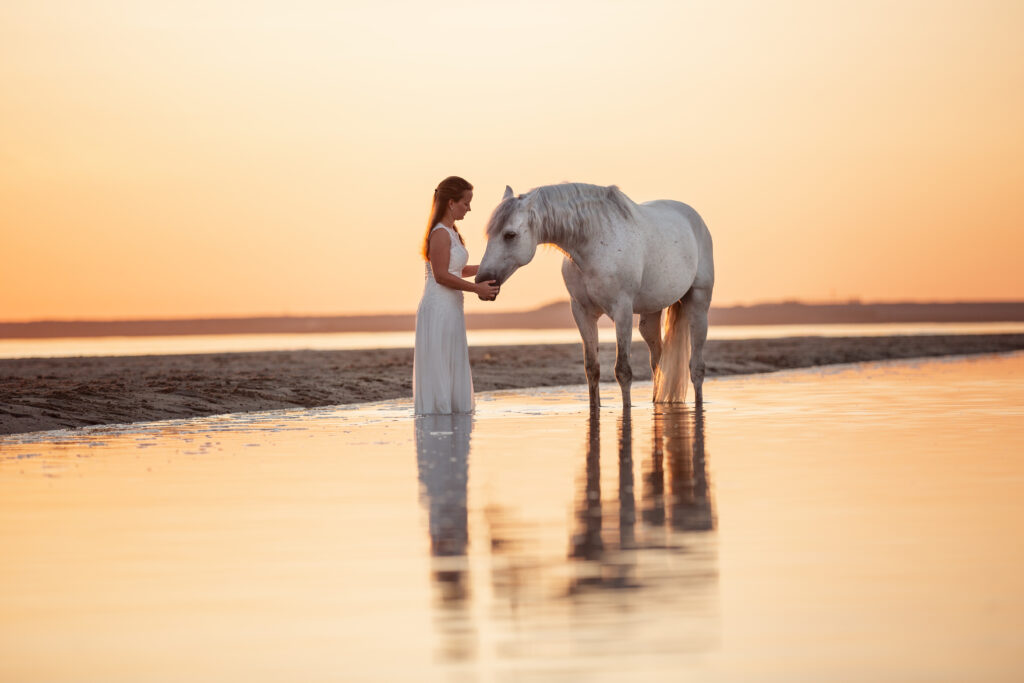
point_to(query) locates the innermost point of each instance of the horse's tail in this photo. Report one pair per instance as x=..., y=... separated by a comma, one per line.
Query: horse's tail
x=673, y=372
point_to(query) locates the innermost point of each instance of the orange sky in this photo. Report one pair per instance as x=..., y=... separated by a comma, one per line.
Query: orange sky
x=225, y=158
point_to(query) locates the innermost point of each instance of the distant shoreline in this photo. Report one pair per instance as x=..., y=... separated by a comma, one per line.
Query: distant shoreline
x=553, y=316
x=55, y=393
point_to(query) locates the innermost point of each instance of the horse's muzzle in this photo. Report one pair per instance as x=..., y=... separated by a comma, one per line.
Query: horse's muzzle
x=484, y=277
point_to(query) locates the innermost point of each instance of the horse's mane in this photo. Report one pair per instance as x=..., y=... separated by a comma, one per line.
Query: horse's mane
x=568, y=210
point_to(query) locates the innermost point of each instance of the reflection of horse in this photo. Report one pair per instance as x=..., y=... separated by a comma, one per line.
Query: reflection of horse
x=678, y=450
x=679, y=435
x=621, y=258
x=442, y=454
x=587, y=542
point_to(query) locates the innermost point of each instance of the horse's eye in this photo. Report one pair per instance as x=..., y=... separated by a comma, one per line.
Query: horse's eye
x=509, y=236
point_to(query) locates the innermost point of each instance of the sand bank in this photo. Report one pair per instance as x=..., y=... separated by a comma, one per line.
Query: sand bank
x=55, y=393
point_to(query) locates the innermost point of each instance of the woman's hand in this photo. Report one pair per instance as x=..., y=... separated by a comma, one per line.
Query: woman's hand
x=487, y=291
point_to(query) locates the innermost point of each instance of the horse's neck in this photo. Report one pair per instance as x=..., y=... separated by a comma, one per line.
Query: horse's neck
x=573, y=249
x=576, y=245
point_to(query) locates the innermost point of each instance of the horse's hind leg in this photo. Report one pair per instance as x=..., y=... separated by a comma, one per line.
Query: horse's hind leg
x=696, y=304
x=586, y=321
x=650, y=330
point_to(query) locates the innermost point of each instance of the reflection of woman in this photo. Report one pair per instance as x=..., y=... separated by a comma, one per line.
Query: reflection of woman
x=442, y=382
x=442, y=457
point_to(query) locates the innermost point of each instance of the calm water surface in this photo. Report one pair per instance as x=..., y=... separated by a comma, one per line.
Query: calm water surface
x=855, y=523
x=230, y=343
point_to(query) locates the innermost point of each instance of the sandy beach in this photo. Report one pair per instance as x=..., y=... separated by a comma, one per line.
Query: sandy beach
x=57, y=393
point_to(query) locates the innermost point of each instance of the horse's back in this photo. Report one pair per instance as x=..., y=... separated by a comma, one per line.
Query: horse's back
x=674, y=215
x=677, y=252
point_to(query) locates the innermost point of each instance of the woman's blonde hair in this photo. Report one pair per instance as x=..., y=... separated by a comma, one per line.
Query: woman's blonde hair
x=450, y=189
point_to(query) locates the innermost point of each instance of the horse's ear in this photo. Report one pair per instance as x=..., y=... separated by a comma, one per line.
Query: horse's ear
x=508, y=193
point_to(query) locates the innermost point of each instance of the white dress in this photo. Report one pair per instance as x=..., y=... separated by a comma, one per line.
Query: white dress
x=441, y=378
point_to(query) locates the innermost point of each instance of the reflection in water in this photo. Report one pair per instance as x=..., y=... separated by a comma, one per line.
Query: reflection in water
x=442, y=456
x=861, y=540
x=627, y=501
x=619, y=561
x=683, y=432
x=587, y=543
x=678, y=433
x=612, y=569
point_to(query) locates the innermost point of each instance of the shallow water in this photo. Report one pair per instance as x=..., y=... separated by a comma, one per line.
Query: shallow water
x=854, y=523
x=233, y=343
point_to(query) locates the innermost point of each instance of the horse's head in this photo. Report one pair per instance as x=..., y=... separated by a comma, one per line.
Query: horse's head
x=511, y=241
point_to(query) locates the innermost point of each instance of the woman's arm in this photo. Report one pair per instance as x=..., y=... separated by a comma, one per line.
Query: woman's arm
x=470, y=271
x=440, y=251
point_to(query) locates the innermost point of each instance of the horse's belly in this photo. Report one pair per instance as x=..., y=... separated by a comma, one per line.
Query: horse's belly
x=650, y=301
x=668, y=275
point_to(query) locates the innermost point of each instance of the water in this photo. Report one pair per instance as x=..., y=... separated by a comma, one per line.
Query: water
x=228, y=343
x=852, y=523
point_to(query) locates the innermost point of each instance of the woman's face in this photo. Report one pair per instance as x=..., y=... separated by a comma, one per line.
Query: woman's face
x=461, y=207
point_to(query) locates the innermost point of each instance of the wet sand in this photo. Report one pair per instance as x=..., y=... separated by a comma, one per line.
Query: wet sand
x=56, y=393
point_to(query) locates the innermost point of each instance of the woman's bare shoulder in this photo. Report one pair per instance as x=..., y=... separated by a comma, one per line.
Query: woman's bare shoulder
x=439, y=232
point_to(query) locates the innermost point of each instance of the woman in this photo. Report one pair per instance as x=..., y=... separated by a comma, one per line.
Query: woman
x=441, y=381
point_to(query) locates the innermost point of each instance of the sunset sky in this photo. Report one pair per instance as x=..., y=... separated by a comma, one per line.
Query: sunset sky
x=205, y=158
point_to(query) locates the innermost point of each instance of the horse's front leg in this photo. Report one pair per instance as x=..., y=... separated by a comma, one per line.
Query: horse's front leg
x=586, y=321
x=623, y=318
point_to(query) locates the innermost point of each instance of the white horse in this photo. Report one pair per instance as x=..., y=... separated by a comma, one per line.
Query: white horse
x=621, y=258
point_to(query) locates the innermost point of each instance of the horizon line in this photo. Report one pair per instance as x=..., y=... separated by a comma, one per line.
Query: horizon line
x=286, y=316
